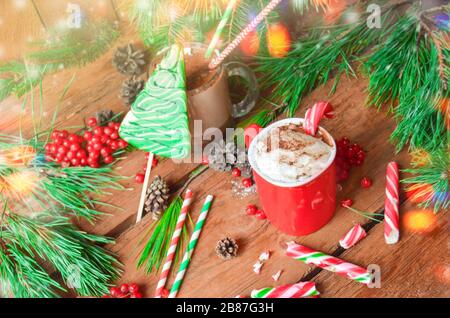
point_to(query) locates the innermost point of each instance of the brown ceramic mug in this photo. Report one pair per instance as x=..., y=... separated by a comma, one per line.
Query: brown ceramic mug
x=208, y=92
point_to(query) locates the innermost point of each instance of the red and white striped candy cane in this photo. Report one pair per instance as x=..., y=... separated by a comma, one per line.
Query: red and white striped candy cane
x=353, y=236
x=391, y=213
x=173, y=244
x=299, y=290
x=330, y=263
x=249, y=28
x=315, y=114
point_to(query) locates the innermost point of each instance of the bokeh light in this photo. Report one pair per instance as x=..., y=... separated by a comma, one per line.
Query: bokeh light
x=444, y=107
x=442, y=20
x=20, y=4
x=334, y=11
x=420, y=221
x=419, y=192
x=278, y=40
x=420, y=157
x=19, y=184
x=18, y=156
x=250, y=45
x=442, y=273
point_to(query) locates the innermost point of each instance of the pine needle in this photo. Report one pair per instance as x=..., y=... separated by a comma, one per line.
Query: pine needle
x=87, y=268
x=157, y=246
x=315, y=58
x=435, y=173
x=74, y=48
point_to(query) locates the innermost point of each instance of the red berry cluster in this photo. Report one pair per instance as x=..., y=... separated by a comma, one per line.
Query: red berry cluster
x=252, y=210
x=124, y=291
x=95, y=146
x=348, y=155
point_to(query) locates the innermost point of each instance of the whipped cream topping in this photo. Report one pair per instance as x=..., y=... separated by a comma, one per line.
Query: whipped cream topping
x=287, y=154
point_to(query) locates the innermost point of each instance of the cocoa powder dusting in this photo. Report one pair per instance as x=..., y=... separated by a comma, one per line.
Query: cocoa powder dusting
x=287, y=139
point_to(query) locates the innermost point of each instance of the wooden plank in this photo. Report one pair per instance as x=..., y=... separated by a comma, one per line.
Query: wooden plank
x=414, y=267
x=19, y=24
x=97, y=85
x=207, y=273
x=94, y=87
x=56, y=14
x=126, y=201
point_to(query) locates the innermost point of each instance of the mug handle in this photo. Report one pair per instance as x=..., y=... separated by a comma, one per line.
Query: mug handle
x=246, y=105
x=250, y=132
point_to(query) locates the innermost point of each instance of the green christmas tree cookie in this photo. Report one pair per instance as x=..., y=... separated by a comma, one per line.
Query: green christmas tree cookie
x=158, y=119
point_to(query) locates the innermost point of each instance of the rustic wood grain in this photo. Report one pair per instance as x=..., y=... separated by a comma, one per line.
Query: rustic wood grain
x=407, y=268
x=207, y=273
x=56, y=14
x=15, y=34
x=414, y=267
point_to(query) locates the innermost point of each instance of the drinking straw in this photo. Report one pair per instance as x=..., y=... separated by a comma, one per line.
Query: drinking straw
x=144, y=187
x=173, y=244
x=190, y=249
x=220, y=27
x=249, y=28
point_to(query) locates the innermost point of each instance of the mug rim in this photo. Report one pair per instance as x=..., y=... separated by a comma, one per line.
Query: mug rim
x=283, y=122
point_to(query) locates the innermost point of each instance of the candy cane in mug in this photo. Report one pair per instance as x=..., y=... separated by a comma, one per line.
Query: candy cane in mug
x=315, y=114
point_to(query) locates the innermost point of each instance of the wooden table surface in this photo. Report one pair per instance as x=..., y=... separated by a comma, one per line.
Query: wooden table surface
x=418, y=266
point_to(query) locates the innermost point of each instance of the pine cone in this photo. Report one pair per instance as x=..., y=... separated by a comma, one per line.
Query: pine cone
x=226, y=248
x=130, y=89
x=128, y=60
x=104, y=116
x=157, y=197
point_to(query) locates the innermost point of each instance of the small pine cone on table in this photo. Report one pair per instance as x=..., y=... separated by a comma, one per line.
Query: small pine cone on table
x=157, y=198
x=104, y=116
x=226, y=248
x=130, y=89
x=129, y=60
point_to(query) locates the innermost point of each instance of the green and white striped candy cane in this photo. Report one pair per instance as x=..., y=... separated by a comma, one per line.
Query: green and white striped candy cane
x=190, y=249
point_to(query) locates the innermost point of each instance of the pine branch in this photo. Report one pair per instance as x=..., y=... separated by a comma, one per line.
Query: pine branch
x=403, y=73
x=436, y=174
x=85, y=266
x=21, y=276
x=303, y=5
x=74, y=48
x=157, y=246
x=48, y=186
x=317, y=57
x=155, y=251
x=161, y=23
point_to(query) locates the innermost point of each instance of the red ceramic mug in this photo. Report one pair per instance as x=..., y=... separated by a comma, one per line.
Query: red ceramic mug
x=297, y=208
